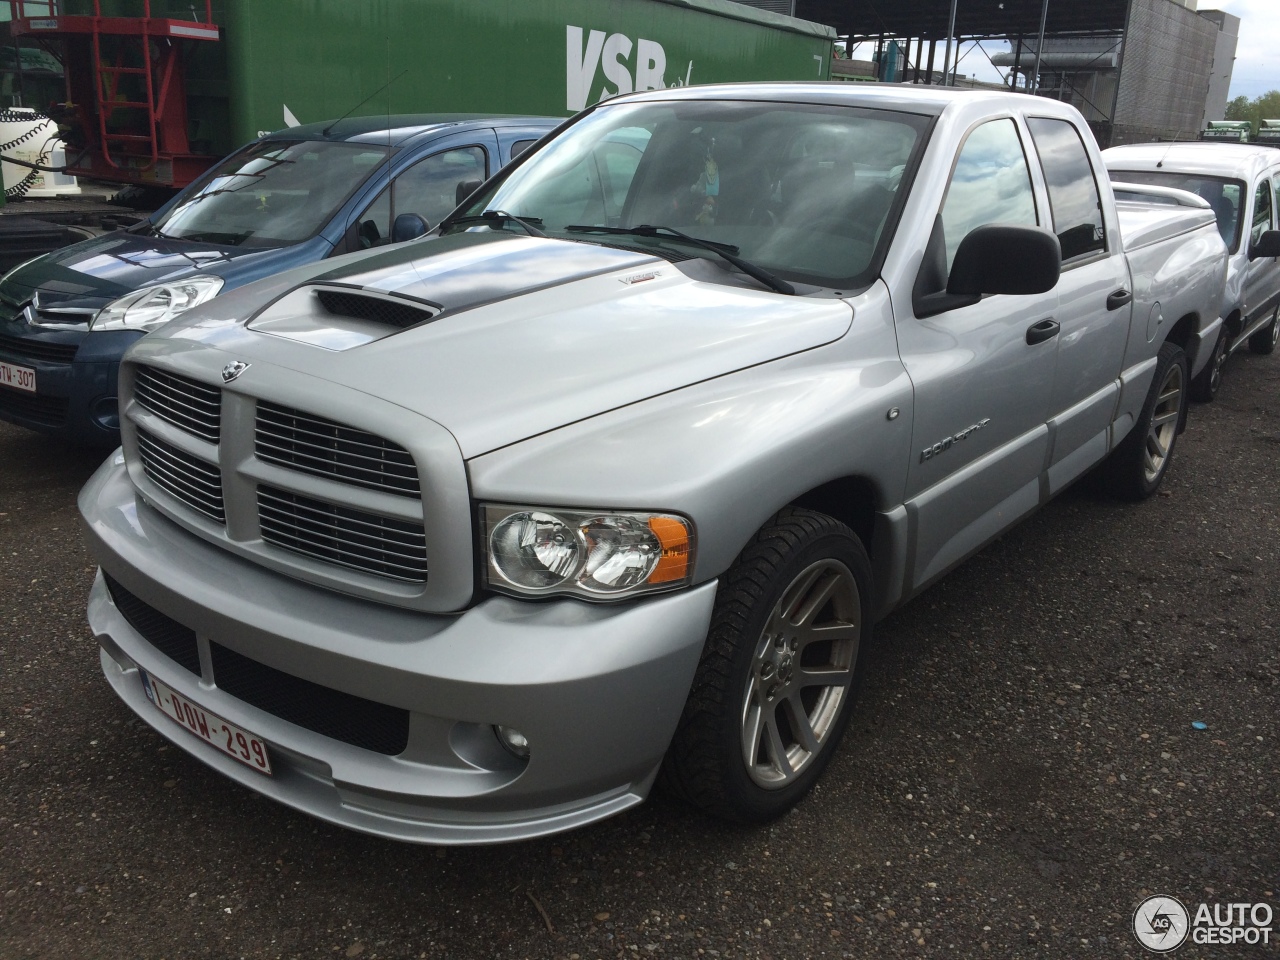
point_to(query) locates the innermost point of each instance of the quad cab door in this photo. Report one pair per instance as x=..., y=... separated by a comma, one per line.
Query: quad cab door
x=1094, y=306
x=983, y=373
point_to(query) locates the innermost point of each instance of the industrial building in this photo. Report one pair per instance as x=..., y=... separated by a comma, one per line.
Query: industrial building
x=1139, y=70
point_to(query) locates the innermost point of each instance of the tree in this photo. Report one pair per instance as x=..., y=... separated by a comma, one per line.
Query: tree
x=1265, y=107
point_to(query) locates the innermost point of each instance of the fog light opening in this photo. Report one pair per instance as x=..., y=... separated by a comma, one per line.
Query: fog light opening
x=515, y=742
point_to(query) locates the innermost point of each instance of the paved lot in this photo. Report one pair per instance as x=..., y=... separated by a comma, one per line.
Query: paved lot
x=1021, y=769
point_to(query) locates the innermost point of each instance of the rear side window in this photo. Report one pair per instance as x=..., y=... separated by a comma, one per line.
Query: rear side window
x=991, y=184
x=1073, y=191
x=1261, y=212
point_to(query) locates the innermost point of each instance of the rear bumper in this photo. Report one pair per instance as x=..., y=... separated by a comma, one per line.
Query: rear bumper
x=596, y=689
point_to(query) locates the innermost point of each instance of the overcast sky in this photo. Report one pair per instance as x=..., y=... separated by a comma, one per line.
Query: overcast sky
x=1257, y=66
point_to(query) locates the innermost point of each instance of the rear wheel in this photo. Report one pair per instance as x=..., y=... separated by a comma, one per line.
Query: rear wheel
x=1136, y=467
x=772, y=694
x=1205, y=386
x=1264, y=341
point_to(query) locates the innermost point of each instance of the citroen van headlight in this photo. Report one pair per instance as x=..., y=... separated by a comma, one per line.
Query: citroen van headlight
x=150, y=307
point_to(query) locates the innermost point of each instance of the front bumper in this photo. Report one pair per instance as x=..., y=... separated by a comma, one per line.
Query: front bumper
x=75, y=400
x=596, y=689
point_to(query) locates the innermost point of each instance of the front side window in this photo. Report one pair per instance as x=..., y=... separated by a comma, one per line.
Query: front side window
x=272, y=194
x=1073, y=191
x=991, y=183
x=430, y=187
x=1224, y=196
x=808, y=192
x=1261, y=211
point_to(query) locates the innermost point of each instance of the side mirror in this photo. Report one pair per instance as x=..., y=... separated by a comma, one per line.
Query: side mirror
x=465, y=189
x=408, y=226
x=1268, y=245
x=1000, y=258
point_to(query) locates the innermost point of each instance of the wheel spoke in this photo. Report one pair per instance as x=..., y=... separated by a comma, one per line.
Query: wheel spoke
x=1170, y=394
x=824, y=676
x=800, y=725
x=1162, y=448
x=1164, y=418
x=815, y=598
x=752, y=730
x=776, y=749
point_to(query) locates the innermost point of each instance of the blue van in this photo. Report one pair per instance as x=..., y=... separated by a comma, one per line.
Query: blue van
x=293, y=197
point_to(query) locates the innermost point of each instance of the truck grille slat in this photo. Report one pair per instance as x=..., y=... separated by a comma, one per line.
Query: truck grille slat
x=195, y=482
x=29, y=348
x=315, y=445
x=351, y=538
x=188, y=404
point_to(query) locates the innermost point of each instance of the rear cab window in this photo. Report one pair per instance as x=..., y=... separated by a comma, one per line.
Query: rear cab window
x=1074, y=202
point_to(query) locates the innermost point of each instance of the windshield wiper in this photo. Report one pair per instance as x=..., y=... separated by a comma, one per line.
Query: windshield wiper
x=493, y=217
x=724, y=250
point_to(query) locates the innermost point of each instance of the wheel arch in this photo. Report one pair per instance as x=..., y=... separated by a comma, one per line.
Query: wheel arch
x=852, y=500
x=1181, y=332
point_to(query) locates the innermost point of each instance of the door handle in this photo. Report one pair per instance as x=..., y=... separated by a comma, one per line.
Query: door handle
x=1042, y=331
x=1119, y=299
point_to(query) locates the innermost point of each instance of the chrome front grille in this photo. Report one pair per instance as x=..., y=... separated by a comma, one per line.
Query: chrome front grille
x=342, y=535
x=193, y=406
x=302, y=441
x=195, y=482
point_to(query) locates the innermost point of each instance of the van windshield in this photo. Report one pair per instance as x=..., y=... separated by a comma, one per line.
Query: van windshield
x=807, y=192
x=272, y=194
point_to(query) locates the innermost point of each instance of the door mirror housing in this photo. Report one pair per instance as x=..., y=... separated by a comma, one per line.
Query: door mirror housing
x=1006, y=259
x=408, y=226
x=1268, y=245
x=465, y=189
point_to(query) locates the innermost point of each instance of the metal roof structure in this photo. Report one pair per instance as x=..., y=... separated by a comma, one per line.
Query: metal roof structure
x=975, y=19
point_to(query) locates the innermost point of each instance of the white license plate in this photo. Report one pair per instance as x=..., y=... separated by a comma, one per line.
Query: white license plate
x=20, y=378
x=227, y=737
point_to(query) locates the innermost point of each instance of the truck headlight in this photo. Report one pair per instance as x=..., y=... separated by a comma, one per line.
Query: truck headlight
x=594, y=554
x=150, y=307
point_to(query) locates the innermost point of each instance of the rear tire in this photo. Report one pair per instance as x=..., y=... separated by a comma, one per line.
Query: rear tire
x=1264, y=341
x=1205, y=386
x=773, y=692
x=1136, y=467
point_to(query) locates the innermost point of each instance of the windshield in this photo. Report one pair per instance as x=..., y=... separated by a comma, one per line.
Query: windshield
x=1222, y=194
x=807, y=192
x=273, y=193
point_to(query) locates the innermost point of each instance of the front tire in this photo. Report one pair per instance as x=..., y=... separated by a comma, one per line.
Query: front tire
x=1138, y=464
x=772, y=694
x=1264, y=341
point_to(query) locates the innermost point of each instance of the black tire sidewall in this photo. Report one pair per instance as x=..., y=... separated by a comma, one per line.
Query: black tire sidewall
x=1264, y=341
x=1203, y=389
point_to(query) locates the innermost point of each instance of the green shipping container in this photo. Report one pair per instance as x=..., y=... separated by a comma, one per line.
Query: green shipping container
x=281, y=62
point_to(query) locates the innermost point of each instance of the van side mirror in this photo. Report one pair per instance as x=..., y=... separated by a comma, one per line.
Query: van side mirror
x=1268, y=245
x=1000, y=258
x=408, y=226
x=465, y=189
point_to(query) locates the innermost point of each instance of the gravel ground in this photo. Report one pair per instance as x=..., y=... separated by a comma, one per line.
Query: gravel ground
x=1021, y=769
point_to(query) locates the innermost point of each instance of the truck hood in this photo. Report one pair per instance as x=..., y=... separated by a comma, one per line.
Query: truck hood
x=533, y=334
x=94, y=272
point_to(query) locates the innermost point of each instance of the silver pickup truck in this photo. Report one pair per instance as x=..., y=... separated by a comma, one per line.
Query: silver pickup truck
x=473, y=539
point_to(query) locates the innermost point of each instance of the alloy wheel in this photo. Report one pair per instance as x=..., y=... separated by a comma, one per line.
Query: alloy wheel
x=801, y=673
x=1164, y=424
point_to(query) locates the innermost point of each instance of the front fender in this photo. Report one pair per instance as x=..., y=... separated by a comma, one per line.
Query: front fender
x=731, y=451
